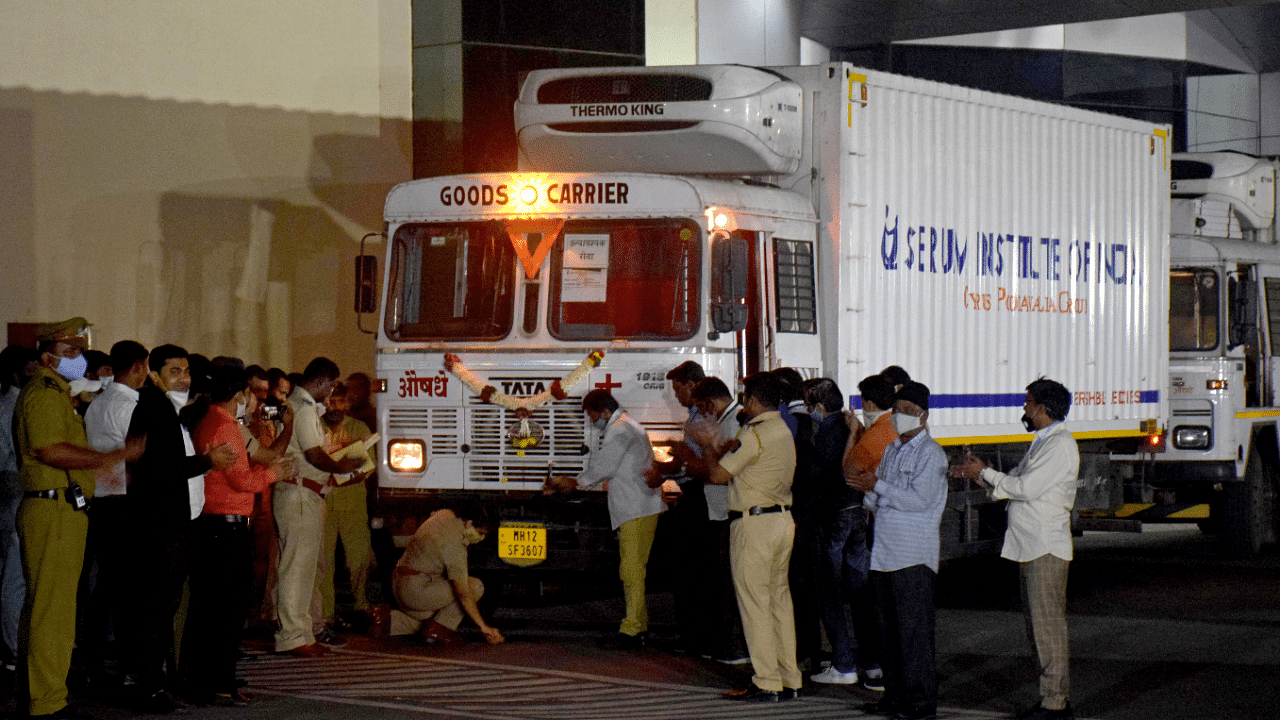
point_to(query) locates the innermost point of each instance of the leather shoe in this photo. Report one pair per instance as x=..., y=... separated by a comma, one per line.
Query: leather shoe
x=751, y=693
x=308, y=651
x=879, y=707
x=1038, y=712
x=436, y=635
x=789, y=694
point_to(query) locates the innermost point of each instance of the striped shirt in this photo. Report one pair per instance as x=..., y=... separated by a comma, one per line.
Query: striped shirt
x=909, y=495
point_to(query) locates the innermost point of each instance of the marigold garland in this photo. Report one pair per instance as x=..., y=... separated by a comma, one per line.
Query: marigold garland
x=489, y=394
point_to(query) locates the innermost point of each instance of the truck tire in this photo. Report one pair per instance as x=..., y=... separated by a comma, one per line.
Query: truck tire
x=1248, y=507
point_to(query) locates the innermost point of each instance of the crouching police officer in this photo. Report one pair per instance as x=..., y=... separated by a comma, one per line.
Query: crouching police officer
x=57, y=478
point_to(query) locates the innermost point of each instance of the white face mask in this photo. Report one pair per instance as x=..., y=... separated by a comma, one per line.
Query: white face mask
x=179, y=397
x=83, y=385
x=870, y=417
x=106, y=380
x=240, y=408
x=905, y=423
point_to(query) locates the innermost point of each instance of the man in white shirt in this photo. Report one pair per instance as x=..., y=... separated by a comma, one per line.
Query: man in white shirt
x=1041, y=491
x=110, y=521
x=622, y=457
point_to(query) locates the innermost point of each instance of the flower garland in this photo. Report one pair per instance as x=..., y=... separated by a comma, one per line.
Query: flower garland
x=489, y=394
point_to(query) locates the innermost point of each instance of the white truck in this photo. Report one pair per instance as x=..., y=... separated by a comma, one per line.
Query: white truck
x=827, y=218
x=1220, y=466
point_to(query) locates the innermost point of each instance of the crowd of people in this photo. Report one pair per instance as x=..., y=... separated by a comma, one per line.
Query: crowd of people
x=128, y=479
x=795, y=516
x=133, y=478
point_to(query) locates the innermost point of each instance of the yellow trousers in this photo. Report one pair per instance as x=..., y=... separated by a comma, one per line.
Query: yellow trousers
x=346, y=517
x=759, y=558
x=53, y=536
x=635, y=540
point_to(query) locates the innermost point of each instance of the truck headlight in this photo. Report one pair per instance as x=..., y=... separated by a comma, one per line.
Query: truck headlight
x=406, y=455
x=1192, y=437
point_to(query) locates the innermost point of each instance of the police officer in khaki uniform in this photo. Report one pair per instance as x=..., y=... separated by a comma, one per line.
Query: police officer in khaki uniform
x=57, y=472
x=759, y=466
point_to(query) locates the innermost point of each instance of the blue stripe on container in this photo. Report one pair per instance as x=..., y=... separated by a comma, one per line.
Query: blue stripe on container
x=993, y=400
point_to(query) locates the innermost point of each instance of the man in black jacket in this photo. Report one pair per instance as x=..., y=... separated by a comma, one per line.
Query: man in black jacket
x=161, y=491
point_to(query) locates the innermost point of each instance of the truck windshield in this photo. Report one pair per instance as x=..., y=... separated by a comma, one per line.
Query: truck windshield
x=632, y=279
x=451, y=281
x=1193, y=309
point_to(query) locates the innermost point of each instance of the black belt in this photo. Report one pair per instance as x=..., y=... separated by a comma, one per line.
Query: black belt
x=46, y=494
x=759, y=510
x=225, y=518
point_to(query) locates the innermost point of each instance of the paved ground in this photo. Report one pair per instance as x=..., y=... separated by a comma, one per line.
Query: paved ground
x=1161, y=628
x=494, y=691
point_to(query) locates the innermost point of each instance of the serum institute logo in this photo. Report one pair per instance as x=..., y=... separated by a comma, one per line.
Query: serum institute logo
x=1026, y=259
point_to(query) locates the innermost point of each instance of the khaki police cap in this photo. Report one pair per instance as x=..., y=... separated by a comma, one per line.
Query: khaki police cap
x=71, y=332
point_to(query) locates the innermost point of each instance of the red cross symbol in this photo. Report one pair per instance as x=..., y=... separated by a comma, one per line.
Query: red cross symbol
x=608, y=383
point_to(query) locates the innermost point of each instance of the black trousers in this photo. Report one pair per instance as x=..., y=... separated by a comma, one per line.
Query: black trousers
x=805, y=555
x=907, y=621
x=105, y=580
x=161, y=555
x=221, y=578
x=688, y=521
x=727, y=638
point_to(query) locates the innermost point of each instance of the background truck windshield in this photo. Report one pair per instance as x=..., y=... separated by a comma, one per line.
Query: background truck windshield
x=451, y=281
x=633, y=279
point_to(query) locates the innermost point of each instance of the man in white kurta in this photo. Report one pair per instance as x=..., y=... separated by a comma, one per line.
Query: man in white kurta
x=1041, y=491
x=622, y=457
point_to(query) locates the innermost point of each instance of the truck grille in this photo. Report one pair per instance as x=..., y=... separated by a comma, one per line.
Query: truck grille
x=438, y=426
x=624, y=88
x=492, y=459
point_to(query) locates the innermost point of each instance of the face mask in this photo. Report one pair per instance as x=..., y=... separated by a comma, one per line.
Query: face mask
x=179, y=397
x=82, y=385
x=905, y=423
x=106, y=380
x=240, y=408
x=72, y=368
x=602, y=424
x=817, y=412
x=1026, y=423
x=869, y=418
x=471, y=535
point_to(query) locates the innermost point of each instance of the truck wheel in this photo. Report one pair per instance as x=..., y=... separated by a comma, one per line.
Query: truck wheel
x=1249, y=509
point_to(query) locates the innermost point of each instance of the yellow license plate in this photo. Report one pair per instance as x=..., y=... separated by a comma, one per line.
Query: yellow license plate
x=524, y=544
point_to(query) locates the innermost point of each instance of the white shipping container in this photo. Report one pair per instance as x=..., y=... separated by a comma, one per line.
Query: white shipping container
x=984, y=241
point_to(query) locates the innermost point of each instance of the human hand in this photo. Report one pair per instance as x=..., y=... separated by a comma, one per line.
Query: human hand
x=222, y=456
x=492, y=636
x=863, y=480
x=671, y=491
x=560, y=484
x=286, y=414
x=970, y=467
x=653, y=478
x=350, y=465
x=132, y=450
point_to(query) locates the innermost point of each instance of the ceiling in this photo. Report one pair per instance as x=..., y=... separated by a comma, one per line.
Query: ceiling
x=1254, y=26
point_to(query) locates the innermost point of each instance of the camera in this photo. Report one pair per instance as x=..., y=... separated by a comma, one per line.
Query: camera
x=270, y=412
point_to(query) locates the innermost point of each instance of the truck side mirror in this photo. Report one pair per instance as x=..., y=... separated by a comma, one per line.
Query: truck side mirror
x=1242, y=298
x=366, y=284
x=729, y=271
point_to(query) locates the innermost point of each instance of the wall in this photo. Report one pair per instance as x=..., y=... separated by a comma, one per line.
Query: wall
x=750, y=32
x=200, y=173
